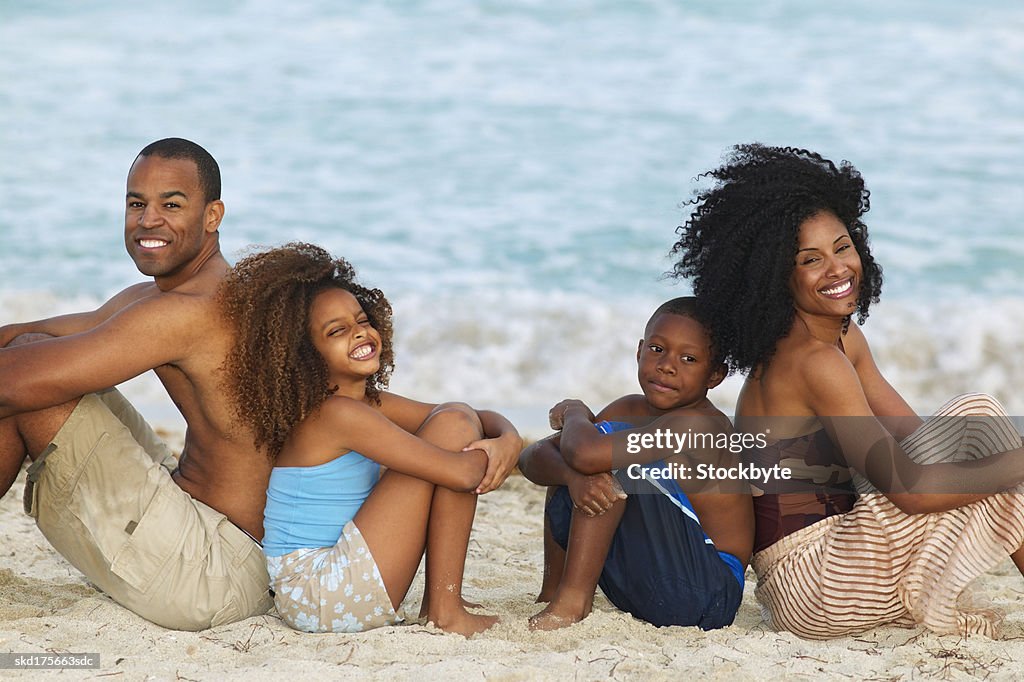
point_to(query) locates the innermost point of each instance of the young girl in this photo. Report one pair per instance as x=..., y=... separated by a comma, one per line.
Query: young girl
x=343, y=542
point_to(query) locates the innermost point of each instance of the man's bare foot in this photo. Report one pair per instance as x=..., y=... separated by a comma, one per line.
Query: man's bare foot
x=464, y=623
x=557, y=616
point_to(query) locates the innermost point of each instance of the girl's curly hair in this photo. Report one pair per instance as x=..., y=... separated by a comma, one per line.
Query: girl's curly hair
x=275, y=375
x=739, y=245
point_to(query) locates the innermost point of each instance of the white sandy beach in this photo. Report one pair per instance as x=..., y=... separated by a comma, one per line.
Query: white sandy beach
x=47, y=606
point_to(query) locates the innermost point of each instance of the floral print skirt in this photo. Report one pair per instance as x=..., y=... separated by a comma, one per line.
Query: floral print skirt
x=331, y=589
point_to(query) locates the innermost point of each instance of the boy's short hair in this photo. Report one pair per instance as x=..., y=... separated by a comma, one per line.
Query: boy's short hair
x=687, y=307
x=684, y=305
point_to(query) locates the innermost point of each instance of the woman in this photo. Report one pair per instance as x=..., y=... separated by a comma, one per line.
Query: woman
x=780, y=264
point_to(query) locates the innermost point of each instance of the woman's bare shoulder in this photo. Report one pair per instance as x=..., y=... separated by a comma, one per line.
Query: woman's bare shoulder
x=802, y=379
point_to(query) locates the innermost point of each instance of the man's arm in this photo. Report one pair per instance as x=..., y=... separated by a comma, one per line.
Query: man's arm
x=152, y=331
x=75, y=323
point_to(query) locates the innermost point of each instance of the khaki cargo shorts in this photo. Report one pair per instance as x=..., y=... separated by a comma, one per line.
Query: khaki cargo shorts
x=103, y=495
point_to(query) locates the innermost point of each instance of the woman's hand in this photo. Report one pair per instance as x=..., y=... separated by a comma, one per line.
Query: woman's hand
x=595, y=494
x=502, y=455
x=558, y=413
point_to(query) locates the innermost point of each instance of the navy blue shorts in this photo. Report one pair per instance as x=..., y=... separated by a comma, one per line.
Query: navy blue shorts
x=659, y=567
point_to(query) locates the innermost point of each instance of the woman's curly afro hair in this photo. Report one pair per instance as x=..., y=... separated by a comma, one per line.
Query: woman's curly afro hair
x=739, y=245
x=275, y=375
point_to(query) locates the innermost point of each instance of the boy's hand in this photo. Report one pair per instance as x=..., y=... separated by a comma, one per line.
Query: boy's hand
x=594, y=495
x=502, y=455
x=556, y=417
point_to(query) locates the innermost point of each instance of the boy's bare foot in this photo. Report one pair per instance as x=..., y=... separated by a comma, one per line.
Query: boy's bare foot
x=464, y=623
x=556, y=616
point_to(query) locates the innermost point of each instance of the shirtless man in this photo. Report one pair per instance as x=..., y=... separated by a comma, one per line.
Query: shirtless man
x=172, y=540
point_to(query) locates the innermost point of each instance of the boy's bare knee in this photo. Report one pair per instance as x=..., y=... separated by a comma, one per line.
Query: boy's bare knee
x=30, y=337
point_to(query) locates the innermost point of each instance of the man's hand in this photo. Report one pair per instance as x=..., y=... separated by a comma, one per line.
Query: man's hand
x=557, y=414
x=502, y=455
x=594, y=495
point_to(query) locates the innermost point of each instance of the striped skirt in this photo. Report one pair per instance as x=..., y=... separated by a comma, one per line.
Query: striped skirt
x=876, y=565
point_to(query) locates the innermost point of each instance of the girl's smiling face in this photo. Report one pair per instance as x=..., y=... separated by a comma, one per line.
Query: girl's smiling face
x=342, y=333
x=827, y=273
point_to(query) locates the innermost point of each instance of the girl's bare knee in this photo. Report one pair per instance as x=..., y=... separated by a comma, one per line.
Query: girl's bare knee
x=457, y=420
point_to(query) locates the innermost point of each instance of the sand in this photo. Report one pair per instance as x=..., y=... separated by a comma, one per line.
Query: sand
x=47, y=606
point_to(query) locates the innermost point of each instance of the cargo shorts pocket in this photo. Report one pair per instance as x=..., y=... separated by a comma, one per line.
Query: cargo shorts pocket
x=30, y=500
x=153, y=542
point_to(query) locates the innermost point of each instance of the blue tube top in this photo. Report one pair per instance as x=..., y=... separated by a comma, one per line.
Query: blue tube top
x=308, y=506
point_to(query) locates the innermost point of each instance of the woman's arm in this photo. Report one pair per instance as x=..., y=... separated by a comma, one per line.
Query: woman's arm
x=347, y=424
x=834, y=393
x=886, y=403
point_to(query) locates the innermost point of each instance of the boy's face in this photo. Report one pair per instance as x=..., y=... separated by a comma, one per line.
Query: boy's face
x=675, y=363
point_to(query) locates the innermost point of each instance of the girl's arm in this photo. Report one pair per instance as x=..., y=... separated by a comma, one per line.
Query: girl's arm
x=886, y=403
x=407, y=413
x=347, y=424
x=834, y=394
x=502, y=444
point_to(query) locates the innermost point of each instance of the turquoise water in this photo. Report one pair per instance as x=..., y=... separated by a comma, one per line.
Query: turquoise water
x=512, y=173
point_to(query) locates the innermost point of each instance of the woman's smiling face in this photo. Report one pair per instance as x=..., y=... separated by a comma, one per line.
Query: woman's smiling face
x=827, y=273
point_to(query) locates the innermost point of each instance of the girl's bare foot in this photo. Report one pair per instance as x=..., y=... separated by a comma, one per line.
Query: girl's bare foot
x=466, y=604
x=464, y=623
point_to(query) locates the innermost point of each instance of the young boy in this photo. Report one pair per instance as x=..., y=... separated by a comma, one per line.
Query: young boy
x=674, y=550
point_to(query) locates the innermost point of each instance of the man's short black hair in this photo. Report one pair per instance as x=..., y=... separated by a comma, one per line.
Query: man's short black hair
x=178, y=148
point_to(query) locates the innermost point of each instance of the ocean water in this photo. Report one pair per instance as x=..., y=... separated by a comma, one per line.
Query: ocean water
x=512, y=173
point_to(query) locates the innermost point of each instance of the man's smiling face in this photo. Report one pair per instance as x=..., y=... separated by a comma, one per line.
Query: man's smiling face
x=166, y=221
